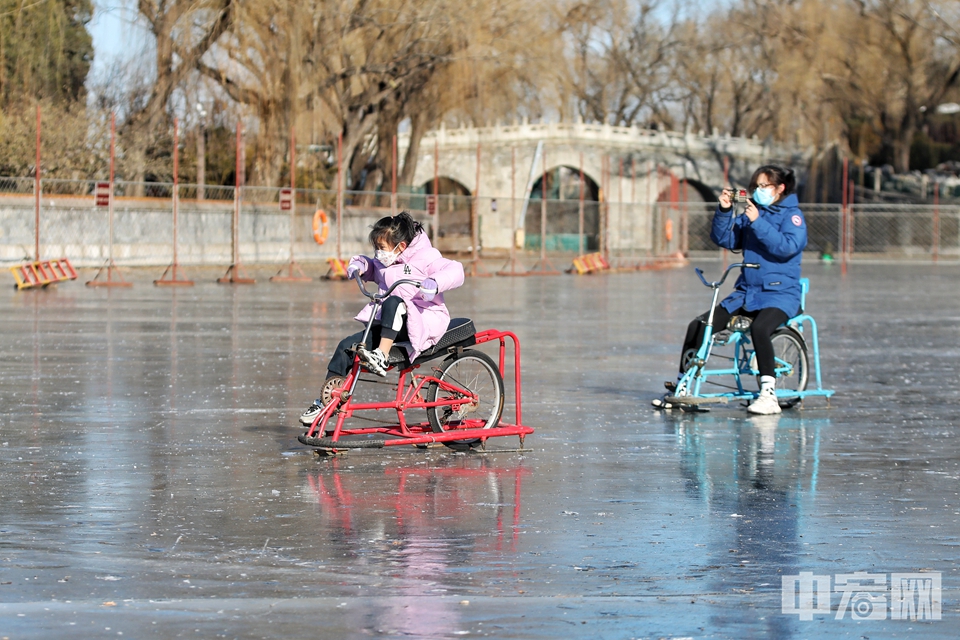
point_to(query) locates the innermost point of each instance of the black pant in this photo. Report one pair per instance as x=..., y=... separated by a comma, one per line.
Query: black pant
x=341, y=362
x=765, y=322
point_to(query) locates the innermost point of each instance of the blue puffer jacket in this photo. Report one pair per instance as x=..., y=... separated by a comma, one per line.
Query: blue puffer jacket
x=775, y=241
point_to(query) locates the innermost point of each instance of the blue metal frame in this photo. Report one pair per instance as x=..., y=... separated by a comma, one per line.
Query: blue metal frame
x=689, y=388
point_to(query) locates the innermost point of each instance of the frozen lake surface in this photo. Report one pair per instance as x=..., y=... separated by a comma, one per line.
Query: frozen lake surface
x=152, y=485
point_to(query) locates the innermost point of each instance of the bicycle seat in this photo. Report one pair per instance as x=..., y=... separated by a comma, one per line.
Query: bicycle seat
x=460, y=333
x=739, y=323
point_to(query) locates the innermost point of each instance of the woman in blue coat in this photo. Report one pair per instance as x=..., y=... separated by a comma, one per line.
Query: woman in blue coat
x=772, y=233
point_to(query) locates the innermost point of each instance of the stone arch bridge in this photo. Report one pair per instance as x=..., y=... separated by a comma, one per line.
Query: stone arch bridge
x=626, y=167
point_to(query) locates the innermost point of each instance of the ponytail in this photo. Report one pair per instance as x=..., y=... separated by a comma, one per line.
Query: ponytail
x=777, y=175
x=395, y=229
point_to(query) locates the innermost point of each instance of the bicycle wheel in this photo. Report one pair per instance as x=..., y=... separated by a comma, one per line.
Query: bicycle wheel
x=790, y=353
x=474, y=372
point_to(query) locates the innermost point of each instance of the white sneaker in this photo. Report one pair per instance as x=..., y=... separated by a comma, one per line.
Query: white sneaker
x=374, y=361
x=766, y=403
x=308, y=416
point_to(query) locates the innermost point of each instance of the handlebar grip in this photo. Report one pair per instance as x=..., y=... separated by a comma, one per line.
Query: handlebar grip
x=751, y=265
x=700, y=275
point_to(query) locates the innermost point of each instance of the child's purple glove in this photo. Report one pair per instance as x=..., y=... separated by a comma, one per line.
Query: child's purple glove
x=357, y=265
x=428, y=289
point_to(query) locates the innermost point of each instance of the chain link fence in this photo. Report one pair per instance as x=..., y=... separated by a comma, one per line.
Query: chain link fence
x=141, y=232
x=868, y=231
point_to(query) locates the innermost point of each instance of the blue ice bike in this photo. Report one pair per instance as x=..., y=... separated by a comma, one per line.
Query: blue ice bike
x=731, y=346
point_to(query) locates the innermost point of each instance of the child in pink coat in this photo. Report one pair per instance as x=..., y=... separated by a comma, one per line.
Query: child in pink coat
x=417, y=316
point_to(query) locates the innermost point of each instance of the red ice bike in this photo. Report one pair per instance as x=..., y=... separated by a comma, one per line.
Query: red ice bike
x=462, y=394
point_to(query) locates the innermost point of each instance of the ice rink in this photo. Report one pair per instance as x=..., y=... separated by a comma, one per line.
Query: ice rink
x=152, y=485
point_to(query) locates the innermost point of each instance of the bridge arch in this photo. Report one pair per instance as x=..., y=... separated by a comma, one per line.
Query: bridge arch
x=563, y=188
x=453, y=214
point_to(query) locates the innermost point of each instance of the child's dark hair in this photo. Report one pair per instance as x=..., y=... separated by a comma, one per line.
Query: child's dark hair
x=393, y=230
x=777, y=175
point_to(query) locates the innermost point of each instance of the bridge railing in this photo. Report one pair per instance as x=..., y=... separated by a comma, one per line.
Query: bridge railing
x=72, y=225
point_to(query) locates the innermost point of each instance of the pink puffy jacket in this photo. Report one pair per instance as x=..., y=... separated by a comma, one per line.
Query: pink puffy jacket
x=427, y=320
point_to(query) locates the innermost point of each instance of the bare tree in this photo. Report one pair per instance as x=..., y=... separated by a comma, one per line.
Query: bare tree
x=620, y=60
x=184, y=31
x=896, y=60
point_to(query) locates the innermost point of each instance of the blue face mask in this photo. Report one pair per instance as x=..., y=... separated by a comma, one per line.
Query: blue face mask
x=764, y=197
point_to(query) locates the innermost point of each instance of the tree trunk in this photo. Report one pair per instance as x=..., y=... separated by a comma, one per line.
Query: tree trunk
x=417, y=128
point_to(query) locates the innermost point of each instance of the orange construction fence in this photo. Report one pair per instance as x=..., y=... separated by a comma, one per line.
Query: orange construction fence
x=338, y=269
x=590, y=263
x=41, y=273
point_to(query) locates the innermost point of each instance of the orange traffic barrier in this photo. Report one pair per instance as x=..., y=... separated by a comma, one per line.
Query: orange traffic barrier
x=41, y=273
x=338, y=269
x=590, y=263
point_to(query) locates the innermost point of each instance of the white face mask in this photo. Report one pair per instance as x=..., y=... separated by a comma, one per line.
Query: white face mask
x=387, y=258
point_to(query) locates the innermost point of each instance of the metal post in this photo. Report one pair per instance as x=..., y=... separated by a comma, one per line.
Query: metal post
x=513, y=219
x=201, y=160
x=113, y=136
x=339, y=193
x=292, y=265
x=620, y=194
x=234, y=272
x=936, y=220
x=393, y=178
x=543, y=266
x=605, y=231
x=726, y=183
x=109, y=265
x=36, y=192
x=543, y=209
x=436, y=190
x=633, y=207
x=650, y=208
x=475, y=222
x=851, y=235
x=844, y=224
x=237, y=193
x=580, y=241
x=684, y=216
x=475, y=225
x=174, y=279
x=176, y=183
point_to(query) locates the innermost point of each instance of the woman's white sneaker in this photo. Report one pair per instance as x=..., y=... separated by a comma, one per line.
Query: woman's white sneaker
x=766, y=403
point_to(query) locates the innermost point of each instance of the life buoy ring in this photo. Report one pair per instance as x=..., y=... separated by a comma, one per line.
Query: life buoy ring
x=320, y=227
x=668, y=229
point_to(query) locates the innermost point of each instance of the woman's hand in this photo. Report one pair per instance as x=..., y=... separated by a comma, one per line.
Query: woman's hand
x=751, y=211
x=725, y=201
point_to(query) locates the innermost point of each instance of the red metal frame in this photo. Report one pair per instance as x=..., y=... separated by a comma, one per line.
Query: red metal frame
x=409, y=396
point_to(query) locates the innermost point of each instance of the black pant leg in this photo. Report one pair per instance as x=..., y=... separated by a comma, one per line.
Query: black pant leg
x=341, y=362
x=761, y=330
x=696, y=328
x=389, y=318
